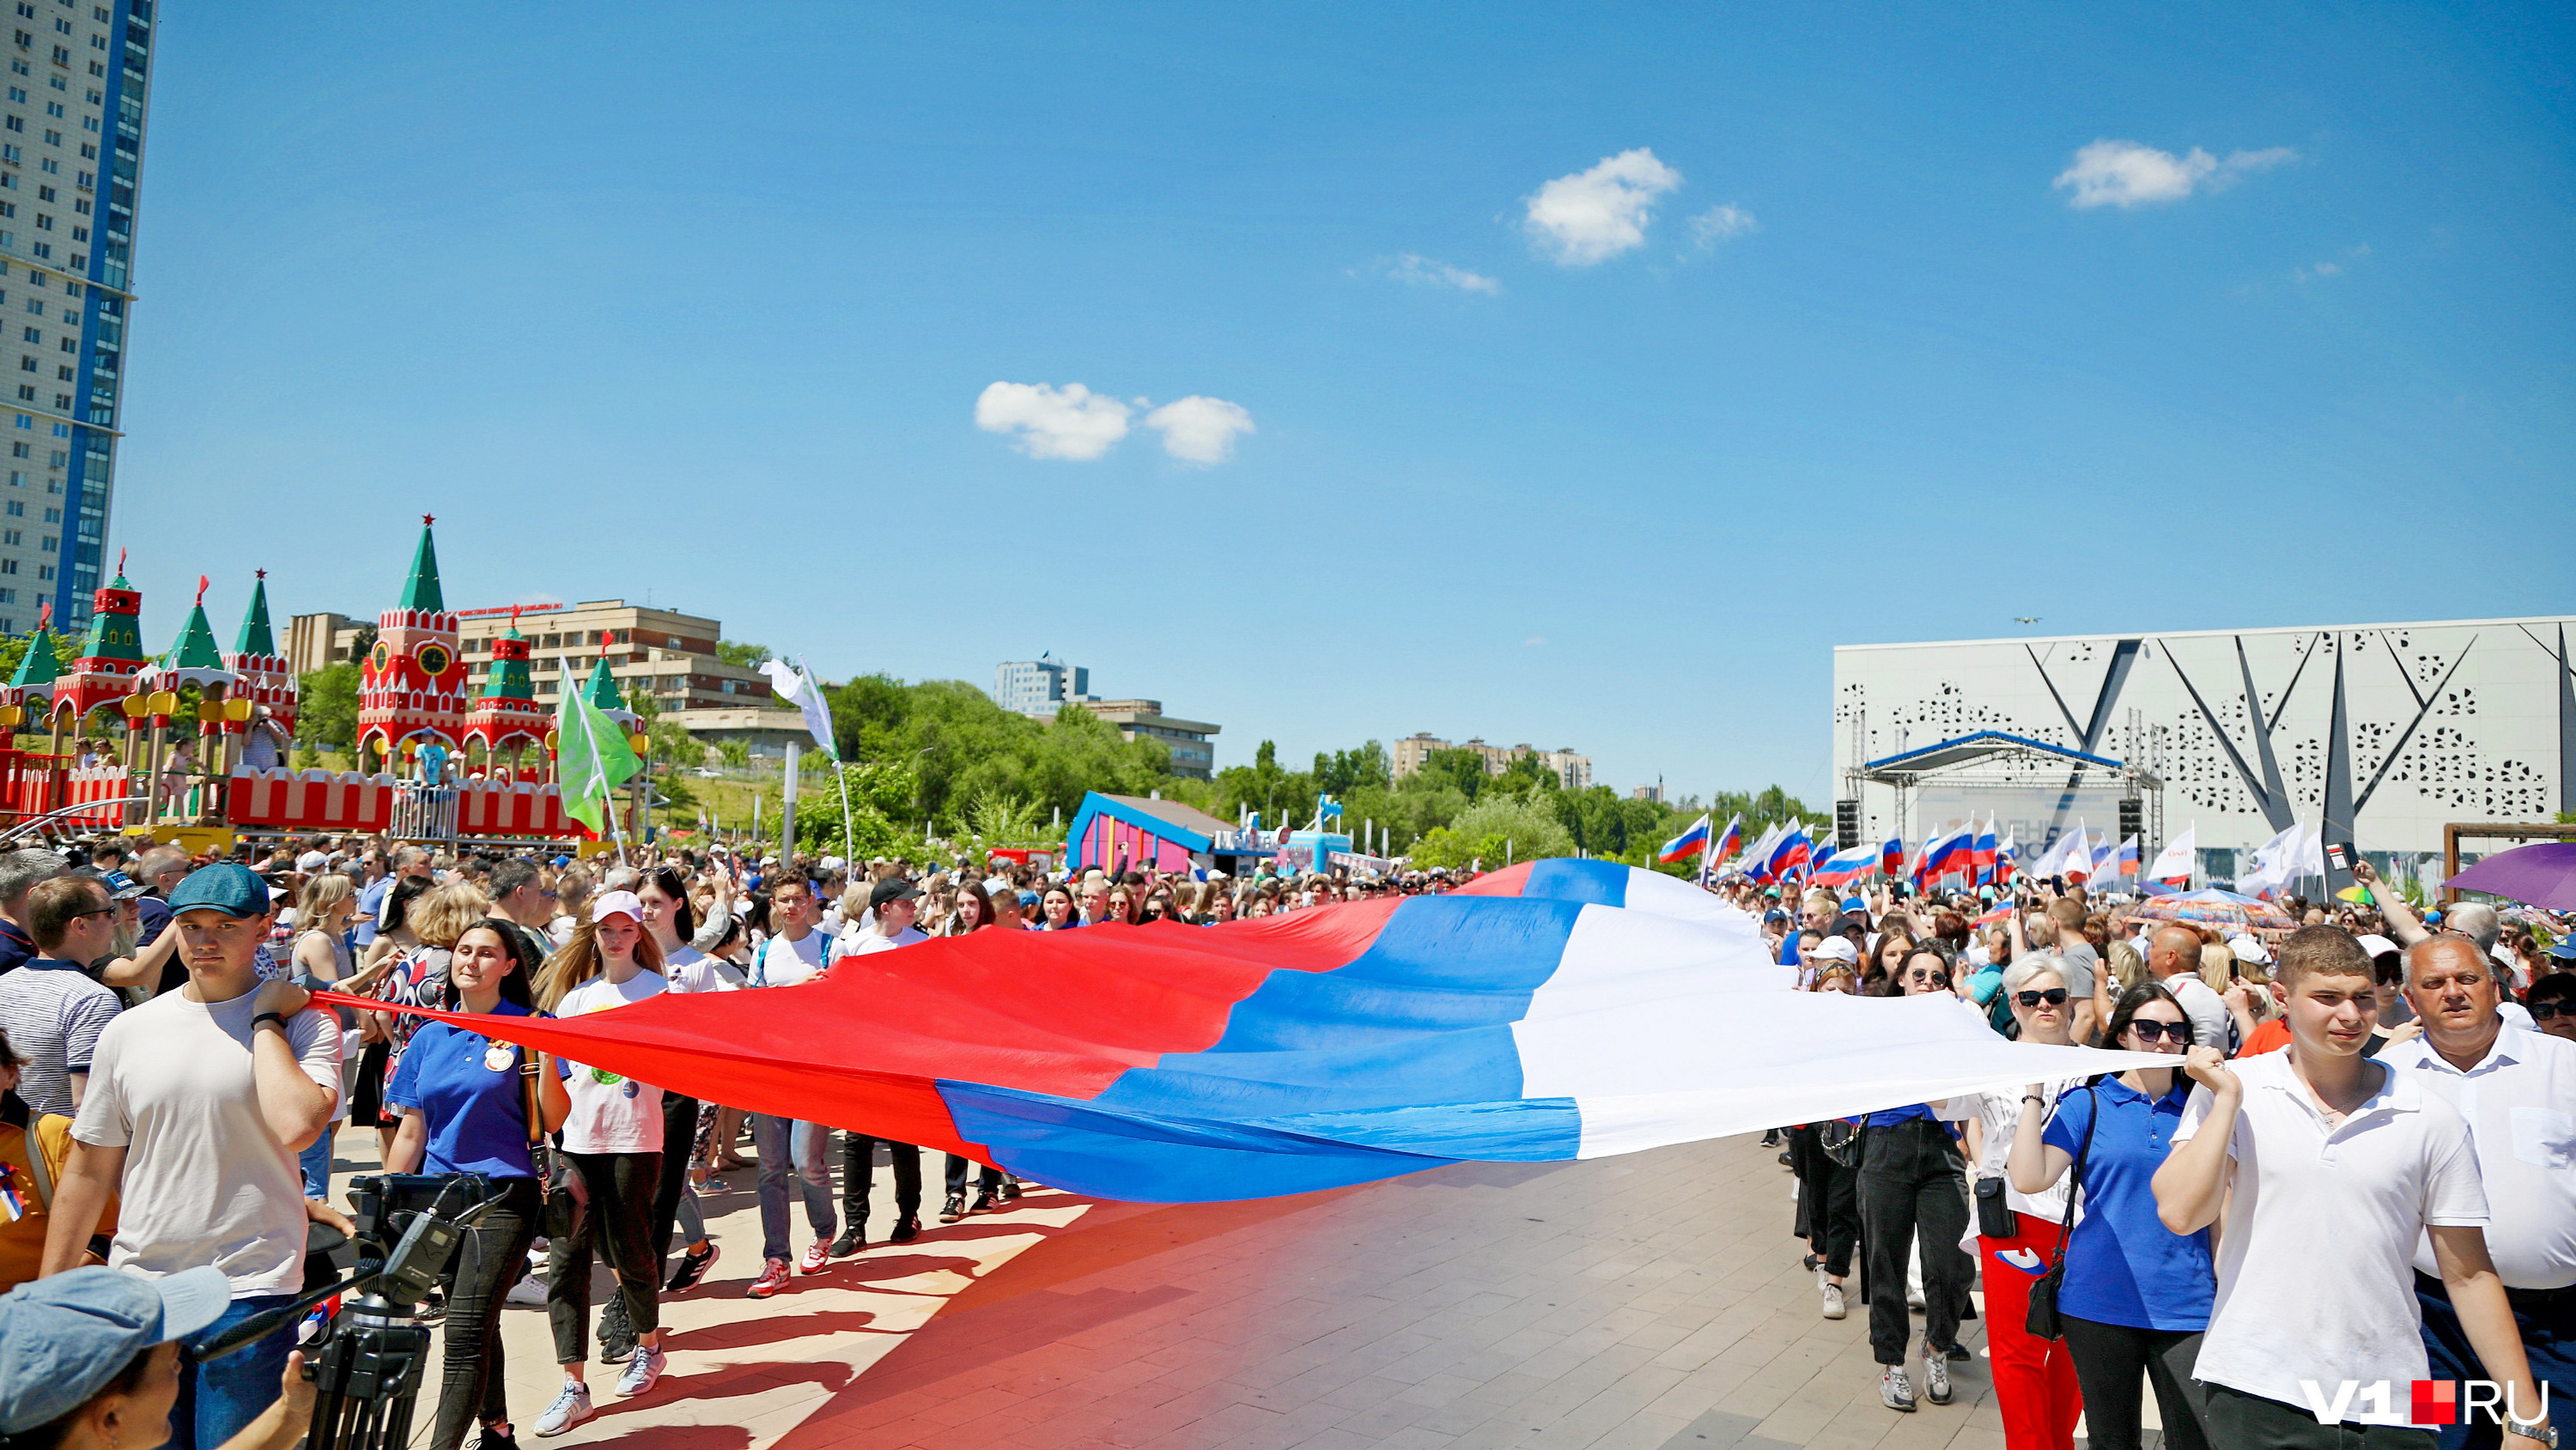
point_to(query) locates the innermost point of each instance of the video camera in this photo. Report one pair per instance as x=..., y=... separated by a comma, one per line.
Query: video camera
x=367, y=1369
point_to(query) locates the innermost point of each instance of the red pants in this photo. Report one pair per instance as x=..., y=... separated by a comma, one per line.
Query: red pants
x=2034, y=1378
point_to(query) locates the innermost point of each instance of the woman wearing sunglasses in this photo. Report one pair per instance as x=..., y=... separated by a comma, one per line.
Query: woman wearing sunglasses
x=2035, y=1380
x=1914, y=1195
x=2136, y=1296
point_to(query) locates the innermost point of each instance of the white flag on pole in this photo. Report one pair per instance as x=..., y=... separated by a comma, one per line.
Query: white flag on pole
x=2175, y=862
x=798, y=689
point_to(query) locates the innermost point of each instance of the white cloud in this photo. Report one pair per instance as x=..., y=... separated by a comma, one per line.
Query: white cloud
x=1595, y=215
x=1051, y=422
x=2323, y=270
x=1200, y=430
x=2127, y=174
x=1536, y=641
x=1721, y=223
x=1417, y=270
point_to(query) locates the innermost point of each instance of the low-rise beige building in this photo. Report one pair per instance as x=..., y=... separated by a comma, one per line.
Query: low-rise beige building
x=1574, y=772
x=658, y=654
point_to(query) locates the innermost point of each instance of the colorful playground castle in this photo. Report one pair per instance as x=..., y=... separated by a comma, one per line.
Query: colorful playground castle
x=433, y=764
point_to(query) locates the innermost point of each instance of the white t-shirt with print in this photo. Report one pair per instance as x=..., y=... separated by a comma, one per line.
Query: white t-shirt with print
x=610, y=1114
x=205, y=1180
x=691, y=970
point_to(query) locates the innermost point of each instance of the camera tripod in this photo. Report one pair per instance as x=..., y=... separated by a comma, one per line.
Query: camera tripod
x=367, y=1369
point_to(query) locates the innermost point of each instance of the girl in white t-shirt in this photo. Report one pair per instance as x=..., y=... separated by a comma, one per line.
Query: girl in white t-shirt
x=686, y=1126
x=613, y=1139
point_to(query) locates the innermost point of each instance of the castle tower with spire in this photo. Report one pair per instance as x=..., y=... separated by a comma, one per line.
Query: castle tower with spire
x=412, y=685
x=263, y=673
x=38, y=669
x=506, y=717
x=111, y=654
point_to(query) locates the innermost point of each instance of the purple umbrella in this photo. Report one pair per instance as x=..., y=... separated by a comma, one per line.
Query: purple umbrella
x=2543, y=874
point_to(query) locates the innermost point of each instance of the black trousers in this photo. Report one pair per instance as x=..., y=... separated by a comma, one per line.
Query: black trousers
x=1828, y=1201
x=618, y=1223
x=1914, y=1191
x=2239, y=1421
x=490, y=1258
x=990, y=1180
x=679, y=1135
x=859, y=1175
x=2109, y=1361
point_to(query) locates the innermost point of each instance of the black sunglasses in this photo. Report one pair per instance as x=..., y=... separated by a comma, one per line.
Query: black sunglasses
x=2543, y=1011
x=1937, y=979
x=2178, y=1033
x=2054, y=997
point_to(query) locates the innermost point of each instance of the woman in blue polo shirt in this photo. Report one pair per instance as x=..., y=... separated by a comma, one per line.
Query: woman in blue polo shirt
x=2136, y=1295
x=463, y=1100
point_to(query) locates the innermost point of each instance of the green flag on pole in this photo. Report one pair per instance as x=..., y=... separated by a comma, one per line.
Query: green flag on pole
x=592, y=757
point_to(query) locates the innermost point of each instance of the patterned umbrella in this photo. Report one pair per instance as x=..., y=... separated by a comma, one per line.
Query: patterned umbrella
x=2216, y=908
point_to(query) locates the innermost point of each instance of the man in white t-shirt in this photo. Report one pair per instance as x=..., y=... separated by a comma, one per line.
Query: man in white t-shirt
x=2328, y=1168
x=795, y=954
x=198, y=1102
x=893, y=903
x=2173, y=959
x=2517, y=1089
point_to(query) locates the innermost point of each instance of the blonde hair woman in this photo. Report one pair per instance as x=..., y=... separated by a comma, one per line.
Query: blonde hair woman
x=612, y=1138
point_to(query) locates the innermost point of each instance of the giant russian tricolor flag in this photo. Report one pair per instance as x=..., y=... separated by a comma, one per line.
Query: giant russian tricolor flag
x=1556, y=1010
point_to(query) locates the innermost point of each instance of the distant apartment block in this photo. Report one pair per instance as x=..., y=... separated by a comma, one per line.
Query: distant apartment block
x=657, y=654
x=1573, y=772
x=1193, y=751
x=1041, y=686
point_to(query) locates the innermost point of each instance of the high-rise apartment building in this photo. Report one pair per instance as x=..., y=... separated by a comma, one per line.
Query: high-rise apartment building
x=1040, y=686
x=71, y=149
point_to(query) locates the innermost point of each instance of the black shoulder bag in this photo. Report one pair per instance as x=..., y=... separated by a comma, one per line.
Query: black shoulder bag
x=2043, y=1321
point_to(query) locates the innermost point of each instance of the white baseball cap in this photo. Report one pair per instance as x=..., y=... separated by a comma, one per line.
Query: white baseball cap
x=1835, y=949
x=616, y=903
x=2249, y=948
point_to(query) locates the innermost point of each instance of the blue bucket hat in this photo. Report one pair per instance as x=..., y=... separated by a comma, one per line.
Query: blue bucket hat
x=226, y=886
x=64, y=1339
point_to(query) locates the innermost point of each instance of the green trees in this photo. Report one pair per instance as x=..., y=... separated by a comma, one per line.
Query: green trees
x=1496, y=828
x=327, y=714
x=881, y=798
x=960, y=748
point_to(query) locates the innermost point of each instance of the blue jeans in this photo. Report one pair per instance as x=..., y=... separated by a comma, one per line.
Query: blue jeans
x=219, y=1400
x=316, y=1163
x=782, y=1144
x=2548, y=1328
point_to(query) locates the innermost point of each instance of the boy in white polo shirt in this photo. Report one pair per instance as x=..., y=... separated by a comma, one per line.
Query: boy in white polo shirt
x=2337, y=1163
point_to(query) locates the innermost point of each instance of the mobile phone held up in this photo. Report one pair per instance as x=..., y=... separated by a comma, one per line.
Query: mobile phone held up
x=2339, y=858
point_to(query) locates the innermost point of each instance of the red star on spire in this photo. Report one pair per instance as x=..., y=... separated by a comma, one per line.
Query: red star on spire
x=262, y=573
x=427, y=519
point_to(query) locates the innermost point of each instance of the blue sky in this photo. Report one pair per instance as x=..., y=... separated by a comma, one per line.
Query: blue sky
x=1603, y=371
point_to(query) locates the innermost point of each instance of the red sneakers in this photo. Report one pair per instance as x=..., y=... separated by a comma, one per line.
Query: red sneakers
x=818, y=1257
x=773, y=1277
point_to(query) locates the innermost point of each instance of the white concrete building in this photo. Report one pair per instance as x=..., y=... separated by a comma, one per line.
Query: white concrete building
x=2382, y=733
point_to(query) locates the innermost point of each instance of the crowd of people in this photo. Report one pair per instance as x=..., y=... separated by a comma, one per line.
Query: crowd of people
x=173, y=1099
x=2396, y=1086
x=2359, y=1165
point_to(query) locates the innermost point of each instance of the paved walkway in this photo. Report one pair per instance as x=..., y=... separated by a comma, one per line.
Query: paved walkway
x=1648, y=1301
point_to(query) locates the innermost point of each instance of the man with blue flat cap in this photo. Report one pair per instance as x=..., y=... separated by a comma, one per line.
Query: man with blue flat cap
x=198, y=1102
x=90, y=1360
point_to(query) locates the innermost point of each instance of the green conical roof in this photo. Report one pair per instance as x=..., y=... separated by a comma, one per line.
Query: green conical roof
x=421, y=591
x=508, y=678
x=602, y=688
x=195, y=649
x=39, y=667
x=255, y=638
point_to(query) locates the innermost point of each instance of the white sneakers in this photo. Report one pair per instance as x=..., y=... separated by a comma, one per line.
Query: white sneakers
x=645, y=1371
x=570, y=1408
x=1894, y=1391
x=1833, y=1294
x=1936, y=1375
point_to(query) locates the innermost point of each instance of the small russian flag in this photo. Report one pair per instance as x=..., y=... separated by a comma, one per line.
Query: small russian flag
x=1689, y=843
x=1891, y=857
